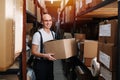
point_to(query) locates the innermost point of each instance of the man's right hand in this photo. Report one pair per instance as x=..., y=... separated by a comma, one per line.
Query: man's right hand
x=49, y=56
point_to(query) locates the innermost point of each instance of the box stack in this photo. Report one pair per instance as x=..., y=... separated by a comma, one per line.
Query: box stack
x=81, y=6
x=7, y=34
x=107, y=49
x=38, y=14
x=30, y=6
x=11, y=26
x=79, y=37
x=94, y=2
x=106, y=74
x=90, y=51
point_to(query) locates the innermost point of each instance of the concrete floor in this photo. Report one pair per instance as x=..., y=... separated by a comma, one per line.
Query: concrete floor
x=58, y=71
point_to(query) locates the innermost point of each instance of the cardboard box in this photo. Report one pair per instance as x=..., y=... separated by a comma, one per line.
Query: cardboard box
x=7, y=34
x=106, y=74
x=30, y=6
x=18, y=26
x=39, y=14
x=90, y=48
x=107, y=55
x=79, y=37
x=88, y=62
x=82, y=6
x=95, y=2
x=108, y=31
x=62, y=49
x=87, y=2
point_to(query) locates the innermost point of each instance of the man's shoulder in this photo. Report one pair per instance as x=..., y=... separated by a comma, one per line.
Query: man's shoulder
x=40, y=30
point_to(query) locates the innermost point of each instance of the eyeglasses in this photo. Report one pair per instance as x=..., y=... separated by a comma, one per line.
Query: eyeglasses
x=47, y=20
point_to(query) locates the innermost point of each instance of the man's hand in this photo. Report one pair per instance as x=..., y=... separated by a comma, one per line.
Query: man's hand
x=49, y=56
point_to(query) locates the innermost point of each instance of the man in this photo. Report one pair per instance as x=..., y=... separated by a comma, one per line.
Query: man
x=43, y=63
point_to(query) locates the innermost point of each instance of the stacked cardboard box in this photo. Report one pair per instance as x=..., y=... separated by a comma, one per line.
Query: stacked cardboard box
x=30, y=6
x=18, y=20
x=7, y=34
x=107, y=55
x=107, y=48
x=11, y=26
x=38, y=14
x=79, y=37
x=90, y=51
x=108, y=31
x=107, y=74
x=94, y=2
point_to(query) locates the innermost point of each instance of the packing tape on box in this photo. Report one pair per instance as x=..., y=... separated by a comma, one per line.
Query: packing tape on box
x=95, y=67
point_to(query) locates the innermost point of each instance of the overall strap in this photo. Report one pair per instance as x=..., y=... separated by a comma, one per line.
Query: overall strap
x=53, y=35
x=41, y=42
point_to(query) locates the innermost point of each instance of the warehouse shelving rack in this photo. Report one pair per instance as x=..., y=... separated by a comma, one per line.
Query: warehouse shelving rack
x=27, y=18
x=102, y=4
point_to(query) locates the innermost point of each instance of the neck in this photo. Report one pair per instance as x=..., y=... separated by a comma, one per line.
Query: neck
x=47, y=30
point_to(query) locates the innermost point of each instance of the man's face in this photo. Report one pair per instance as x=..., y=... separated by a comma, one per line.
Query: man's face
x=47, y=21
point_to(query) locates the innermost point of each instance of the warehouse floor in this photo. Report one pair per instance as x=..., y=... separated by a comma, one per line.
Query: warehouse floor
x=58, y=73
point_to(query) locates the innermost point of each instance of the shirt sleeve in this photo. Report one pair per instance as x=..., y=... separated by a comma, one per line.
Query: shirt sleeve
x=36, y=39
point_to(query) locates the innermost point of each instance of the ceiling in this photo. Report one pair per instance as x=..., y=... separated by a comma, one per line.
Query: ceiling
x=53, y=7
x=106, y=11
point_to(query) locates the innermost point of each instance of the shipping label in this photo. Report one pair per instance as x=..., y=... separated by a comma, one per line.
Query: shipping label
x=105, y=30
x=105, y=59
x=107, y=75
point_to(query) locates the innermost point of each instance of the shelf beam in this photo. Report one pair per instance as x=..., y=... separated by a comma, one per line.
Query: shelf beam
x=24, y=69
x=118, y=42
x=102, y=4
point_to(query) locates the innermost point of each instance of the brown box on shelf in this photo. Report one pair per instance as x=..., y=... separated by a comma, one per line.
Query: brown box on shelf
x=88, y=61
x=30, y=6
x=90, y=48
x=106, y=74
x=29, y=26
x=87, y=2
x=62, y=49
x=108, y=31
x=79, y=37
x=82, y=6
x=39, y=14
x=94, y=3
x=7, y=36
x=107, y=56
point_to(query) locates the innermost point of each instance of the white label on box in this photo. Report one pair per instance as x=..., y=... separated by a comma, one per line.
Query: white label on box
x=107, y=75
x=105, y=59
x=105, y=30
x=88, y=1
